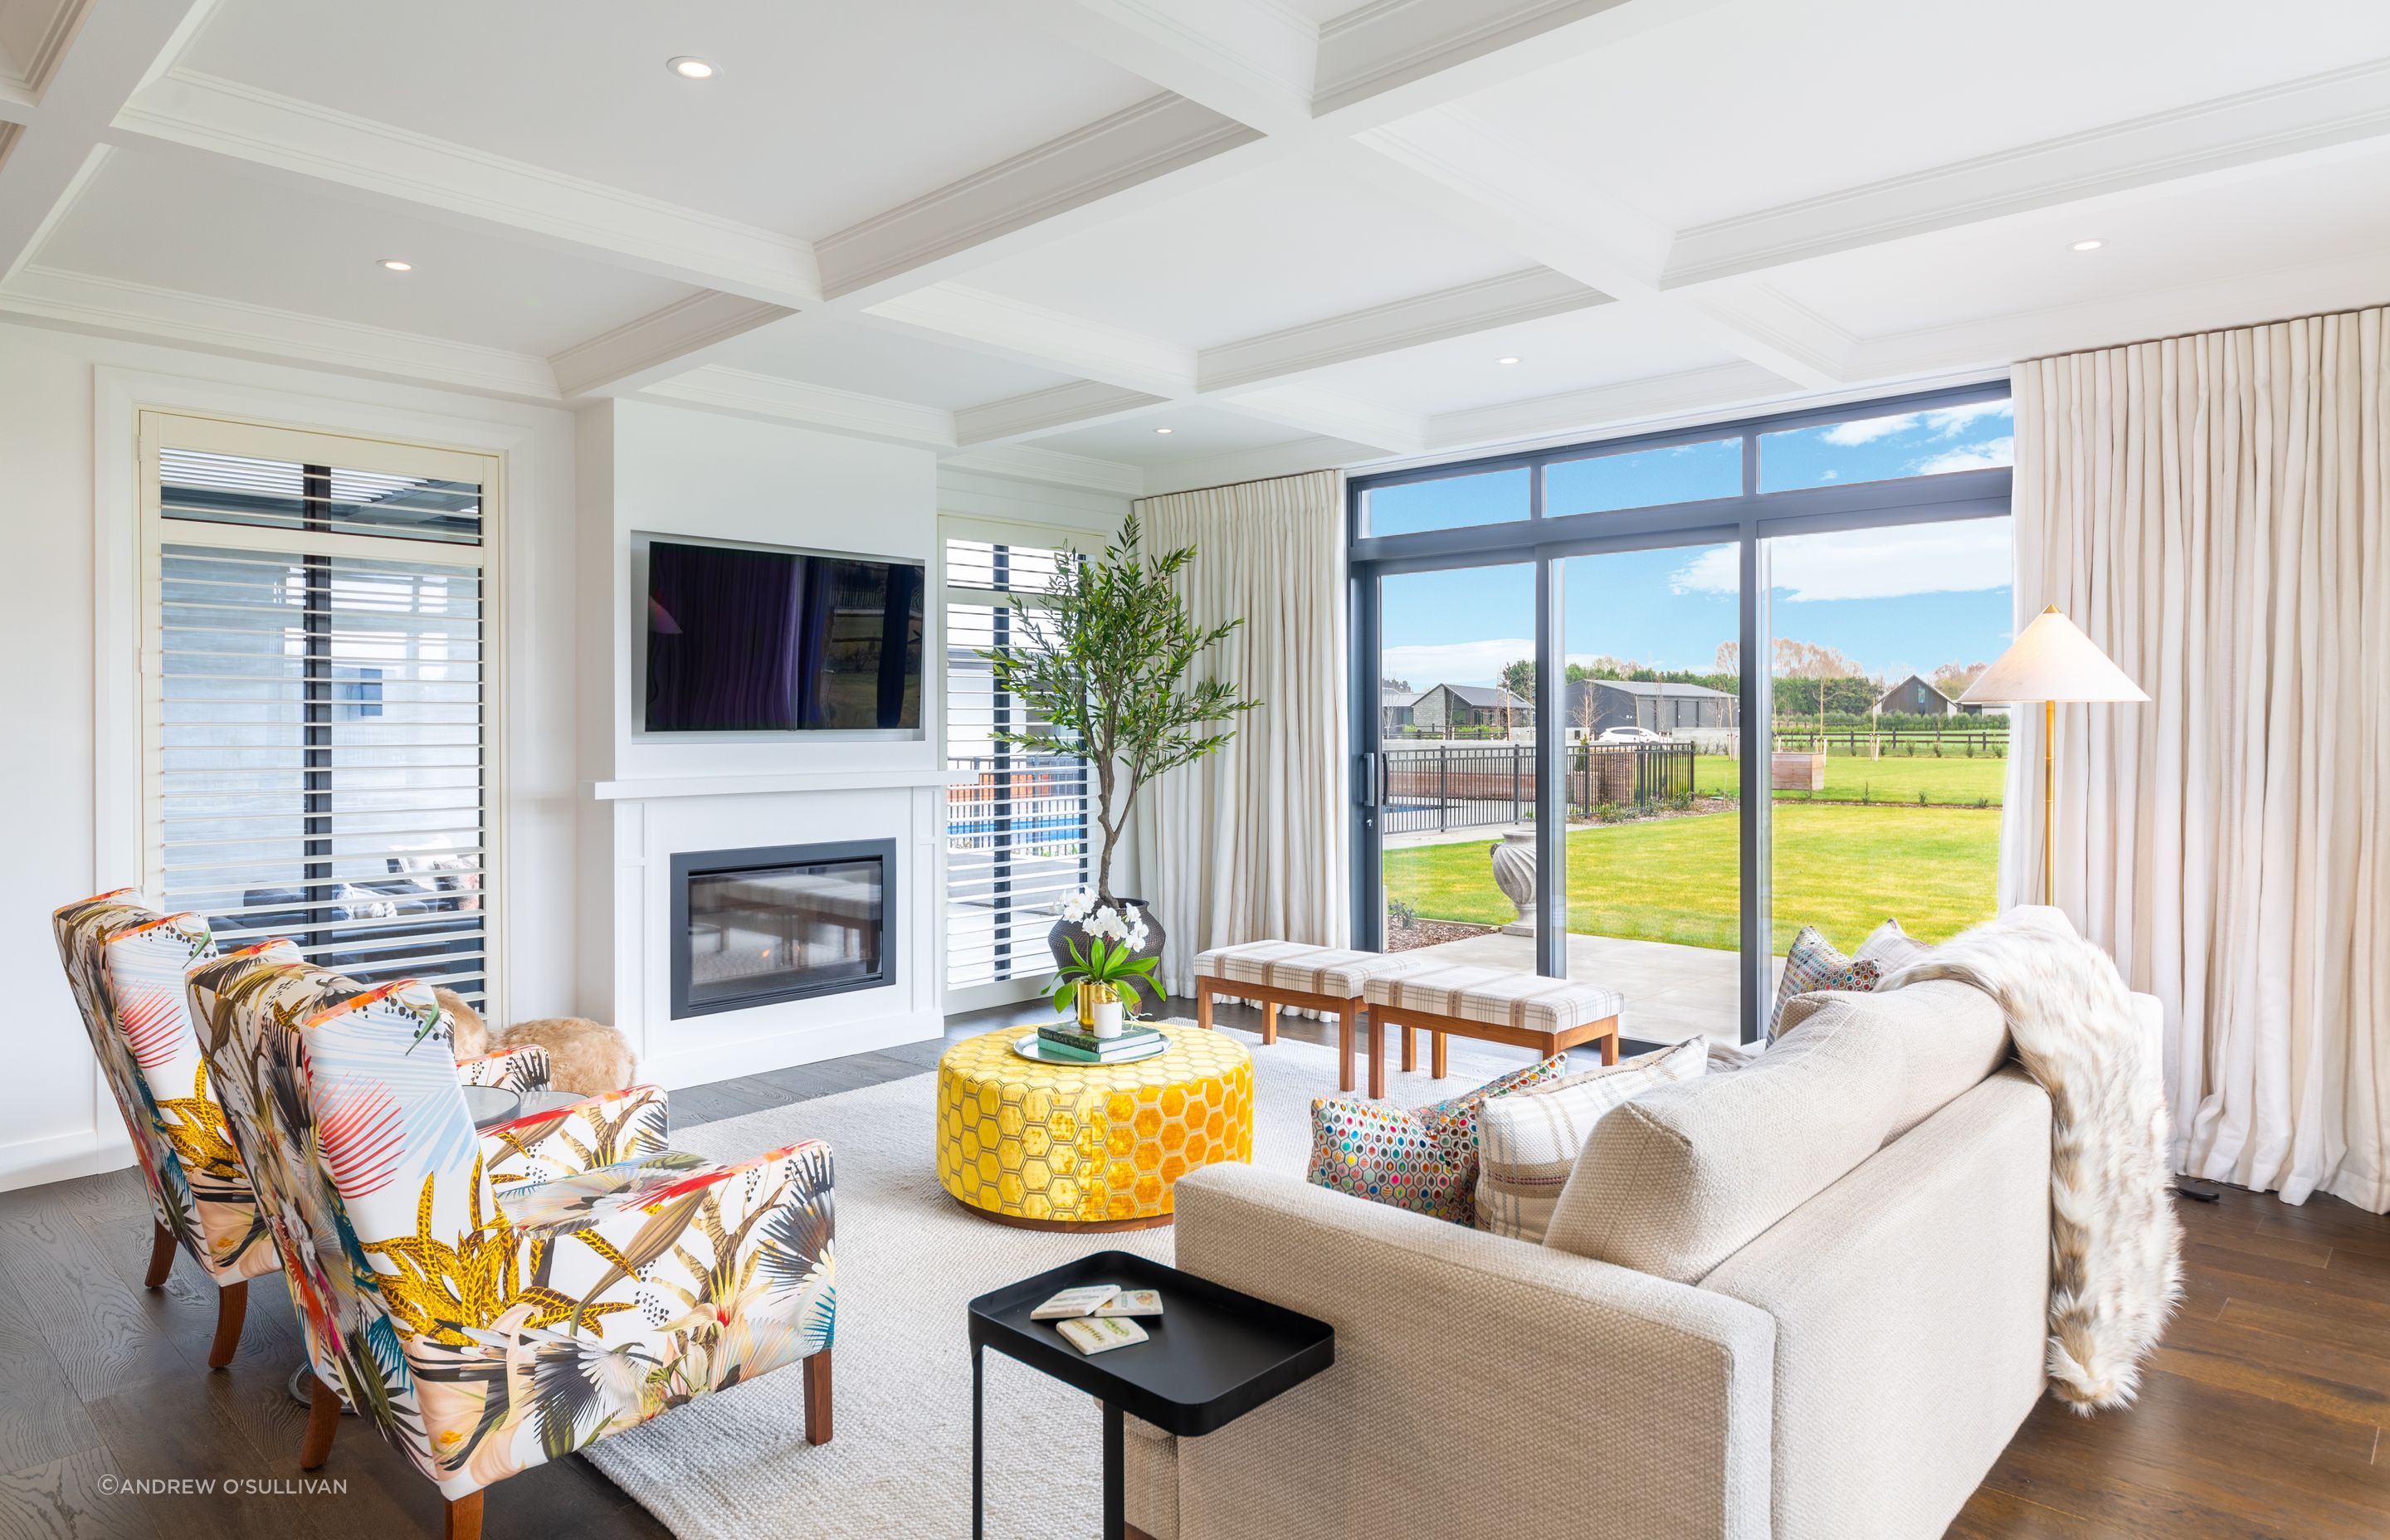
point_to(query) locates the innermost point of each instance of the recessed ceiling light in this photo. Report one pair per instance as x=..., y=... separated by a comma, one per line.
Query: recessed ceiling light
x=1505, y=360
x=2087, y=245
x=1161, y=430
x=688, y=68
x=397, y=266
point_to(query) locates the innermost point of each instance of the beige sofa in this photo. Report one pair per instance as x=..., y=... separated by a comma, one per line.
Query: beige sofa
x=1804, y=1299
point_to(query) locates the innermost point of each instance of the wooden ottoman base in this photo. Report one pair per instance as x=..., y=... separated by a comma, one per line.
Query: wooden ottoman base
x=1350, y=1012
x=1405, y=1022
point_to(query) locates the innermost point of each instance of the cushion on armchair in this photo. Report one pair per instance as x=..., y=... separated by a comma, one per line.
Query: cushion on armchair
x=1422, y=1159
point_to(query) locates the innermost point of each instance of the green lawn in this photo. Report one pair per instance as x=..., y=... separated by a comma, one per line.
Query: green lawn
x=1842, y=869
x=1851, y=779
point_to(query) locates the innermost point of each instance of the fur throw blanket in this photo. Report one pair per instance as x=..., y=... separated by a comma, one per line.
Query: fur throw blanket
x=2115, y=1245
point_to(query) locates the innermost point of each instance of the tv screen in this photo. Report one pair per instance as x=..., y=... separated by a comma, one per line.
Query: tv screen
x=742, y=640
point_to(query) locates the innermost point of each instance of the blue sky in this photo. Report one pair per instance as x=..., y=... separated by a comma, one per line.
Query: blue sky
x=1898, y=600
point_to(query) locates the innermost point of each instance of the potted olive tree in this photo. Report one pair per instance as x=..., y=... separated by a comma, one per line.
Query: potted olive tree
x=1103, y=668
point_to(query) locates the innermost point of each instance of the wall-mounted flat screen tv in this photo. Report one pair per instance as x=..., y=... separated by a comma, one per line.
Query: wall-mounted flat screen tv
x=748, y=640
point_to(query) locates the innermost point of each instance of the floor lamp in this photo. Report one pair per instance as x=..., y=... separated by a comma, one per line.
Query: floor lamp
x=2050, y=660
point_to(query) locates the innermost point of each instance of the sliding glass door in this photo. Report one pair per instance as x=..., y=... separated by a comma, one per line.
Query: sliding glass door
x=1592, y=686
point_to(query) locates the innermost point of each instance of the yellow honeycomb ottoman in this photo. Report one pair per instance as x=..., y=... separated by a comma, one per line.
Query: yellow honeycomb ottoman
x=1088, y=1146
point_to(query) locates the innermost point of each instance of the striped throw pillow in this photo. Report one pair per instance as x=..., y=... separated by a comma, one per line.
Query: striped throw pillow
x=1528, y=1141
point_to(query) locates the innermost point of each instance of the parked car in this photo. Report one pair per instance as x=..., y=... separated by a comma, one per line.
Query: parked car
x=1630, y=735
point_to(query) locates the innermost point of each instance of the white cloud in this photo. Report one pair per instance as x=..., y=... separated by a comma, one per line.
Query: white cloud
x=1948, y=422
x=1454, y=662
x=1869, y=430
x=1867, y=564
x=1989, y=454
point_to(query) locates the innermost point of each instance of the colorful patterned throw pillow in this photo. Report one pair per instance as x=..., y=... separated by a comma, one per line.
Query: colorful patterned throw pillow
x=1814, y=964
x=1420, y=1159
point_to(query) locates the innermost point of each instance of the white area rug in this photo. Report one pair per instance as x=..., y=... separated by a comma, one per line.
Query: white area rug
x=735, y=1464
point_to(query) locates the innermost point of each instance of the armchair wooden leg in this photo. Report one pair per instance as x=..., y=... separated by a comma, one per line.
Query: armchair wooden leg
x=465, y=1516
x=161, y=1255
x=232, y=1309
x=323, y=1421
x=1203, y=1003
x=1269, y=1021
x=818, y=1398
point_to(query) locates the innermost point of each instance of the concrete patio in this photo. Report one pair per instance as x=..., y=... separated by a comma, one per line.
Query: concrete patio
x=1672, y=991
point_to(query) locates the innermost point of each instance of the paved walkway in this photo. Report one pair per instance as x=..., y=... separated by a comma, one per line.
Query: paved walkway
x=1672, y=991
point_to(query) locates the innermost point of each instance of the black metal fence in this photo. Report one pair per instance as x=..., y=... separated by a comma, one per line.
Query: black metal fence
x=1464, y=785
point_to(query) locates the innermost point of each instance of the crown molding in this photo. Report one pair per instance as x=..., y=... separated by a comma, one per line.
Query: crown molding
x=662, y=342
x=1392, y=59
x=1251, y=61
x=1460, y=311
x=1045, y=190
x=310, y=142
x=1025, y=463
x=2165, y=150
x=1330, y=414
x=27, y=73
x=744, y=392
x=8, y=132
x=113, y=307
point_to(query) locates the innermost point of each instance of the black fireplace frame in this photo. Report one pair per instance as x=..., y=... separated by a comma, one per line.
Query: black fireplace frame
x=703, y=863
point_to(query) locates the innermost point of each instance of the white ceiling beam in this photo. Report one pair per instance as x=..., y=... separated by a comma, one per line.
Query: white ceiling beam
x=1627, y=402
x=1461, y=311
x=1027, y=463
x=771, y=398
x=81, y=89
x=1251, y=61
x=2233, y=136
x=34, y=36
x=310, y=144
x=114, y=307
x=1081, y=404
x=659, y=344
x=1003, y=327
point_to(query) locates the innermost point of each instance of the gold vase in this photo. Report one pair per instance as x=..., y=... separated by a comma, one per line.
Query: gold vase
x=1092, y=995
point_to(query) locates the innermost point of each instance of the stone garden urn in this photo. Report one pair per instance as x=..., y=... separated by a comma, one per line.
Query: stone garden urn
x=1514, y=873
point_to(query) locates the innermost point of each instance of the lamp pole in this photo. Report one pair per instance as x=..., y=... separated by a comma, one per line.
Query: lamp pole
x=2048, y=798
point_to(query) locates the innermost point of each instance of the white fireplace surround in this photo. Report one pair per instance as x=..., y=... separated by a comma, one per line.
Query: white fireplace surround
x=653, y=821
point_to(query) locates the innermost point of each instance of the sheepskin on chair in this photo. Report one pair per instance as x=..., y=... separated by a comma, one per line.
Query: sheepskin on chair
x=586, y=1056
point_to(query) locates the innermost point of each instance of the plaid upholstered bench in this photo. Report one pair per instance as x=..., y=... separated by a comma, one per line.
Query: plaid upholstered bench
x=1326, y=979
x=1491, y=1004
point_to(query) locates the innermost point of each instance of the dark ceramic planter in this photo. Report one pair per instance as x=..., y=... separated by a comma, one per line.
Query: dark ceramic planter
x=1141, y=993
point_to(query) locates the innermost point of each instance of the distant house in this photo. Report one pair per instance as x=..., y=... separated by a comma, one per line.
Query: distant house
x=1661, y=707
x=1394, y=710
x=1447, y=708
x=1918, y=696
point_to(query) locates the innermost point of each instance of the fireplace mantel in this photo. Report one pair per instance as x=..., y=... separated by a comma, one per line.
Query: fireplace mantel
x=660, y=787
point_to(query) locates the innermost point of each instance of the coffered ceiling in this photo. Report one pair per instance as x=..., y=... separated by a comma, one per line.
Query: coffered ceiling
x=1031, y=233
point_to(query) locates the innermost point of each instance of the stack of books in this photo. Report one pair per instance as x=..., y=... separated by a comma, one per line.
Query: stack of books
x=1094, y=1317
x=1069, y=1040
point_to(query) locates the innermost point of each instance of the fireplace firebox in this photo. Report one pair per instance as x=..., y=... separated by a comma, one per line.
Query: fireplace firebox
x=779, y=922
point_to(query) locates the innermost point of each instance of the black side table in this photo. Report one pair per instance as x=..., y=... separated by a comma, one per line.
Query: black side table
x=1213, y=1355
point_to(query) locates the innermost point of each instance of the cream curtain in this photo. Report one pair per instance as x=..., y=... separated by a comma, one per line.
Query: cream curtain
x=1250, y=843
x=2212, y=511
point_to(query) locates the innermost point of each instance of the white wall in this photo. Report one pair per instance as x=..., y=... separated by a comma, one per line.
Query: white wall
x=72, y=820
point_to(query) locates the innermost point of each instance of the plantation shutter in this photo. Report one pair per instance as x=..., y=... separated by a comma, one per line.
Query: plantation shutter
x=315, y=707
x=1017, y=828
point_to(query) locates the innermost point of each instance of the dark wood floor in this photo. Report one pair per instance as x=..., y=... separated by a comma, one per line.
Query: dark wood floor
x=2262, y=1415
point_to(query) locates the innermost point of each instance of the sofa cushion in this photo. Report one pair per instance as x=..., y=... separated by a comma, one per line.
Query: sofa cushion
x=1952, y=1035
x=1681, y=1178
x=1814, y=963
x=1422, y=1159
x=1528, y=1141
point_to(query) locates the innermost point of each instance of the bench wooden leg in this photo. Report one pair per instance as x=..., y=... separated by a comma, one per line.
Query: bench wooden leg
x=1377, y=1057
x=1269, y=1021
x=1347, y=1027
x=1410, y=1047
x=1610, y=1044
x=1203, y=1003
x=1436, y=1053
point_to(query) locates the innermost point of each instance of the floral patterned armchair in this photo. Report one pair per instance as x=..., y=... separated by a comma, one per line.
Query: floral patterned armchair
x=484, y=1326
x=125, y=963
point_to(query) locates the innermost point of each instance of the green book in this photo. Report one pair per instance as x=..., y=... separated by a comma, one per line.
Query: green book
x=1066, y=1036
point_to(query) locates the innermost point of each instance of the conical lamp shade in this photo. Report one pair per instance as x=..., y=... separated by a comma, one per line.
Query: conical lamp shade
x=2052, y=660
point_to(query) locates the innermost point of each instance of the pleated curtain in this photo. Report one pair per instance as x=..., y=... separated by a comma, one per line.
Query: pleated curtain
x=2212, y=511
x=1251, y=842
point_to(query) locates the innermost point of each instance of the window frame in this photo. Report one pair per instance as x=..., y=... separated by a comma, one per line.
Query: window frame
x=953, y=527
x=1747, y=521
x=157, y=427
